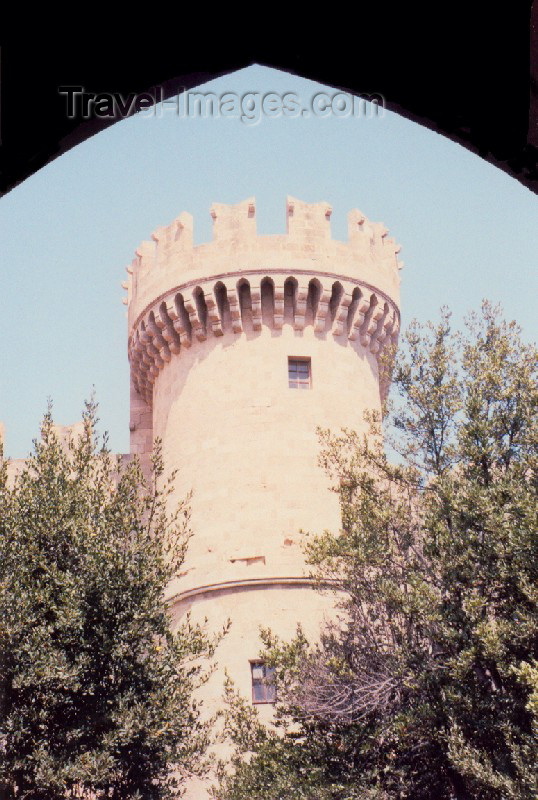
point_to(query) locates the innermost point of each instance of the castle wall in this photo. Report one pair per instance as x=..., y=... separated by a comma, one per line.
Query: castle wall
x=211, y=330
x=246, y=444
x=273, y=606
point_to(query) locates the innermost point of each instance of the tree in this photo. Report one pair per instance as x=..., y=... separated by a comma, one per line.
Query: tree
x=96, y=690
x=426, y=685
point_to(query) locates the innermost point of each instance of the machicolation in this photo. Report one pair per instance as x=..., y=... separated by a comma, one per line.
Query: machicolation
x=180, y=294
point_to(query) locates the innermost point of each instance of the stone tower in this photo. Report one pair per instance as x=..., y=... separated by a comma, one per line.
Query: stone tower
x=239, y=349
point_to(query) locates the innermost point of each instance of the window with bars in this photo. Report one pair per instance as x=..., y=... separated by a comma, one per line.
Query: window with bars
x=263, y=682
x=299, y=373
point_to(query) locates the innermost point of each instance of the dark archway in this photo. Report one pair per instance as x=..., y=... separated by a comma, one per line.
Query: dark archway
x=470, y=76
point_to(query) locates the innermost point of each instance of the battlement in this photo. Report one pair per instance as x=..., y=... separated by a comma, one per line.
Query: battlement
x=241, y=283
x=170, y=260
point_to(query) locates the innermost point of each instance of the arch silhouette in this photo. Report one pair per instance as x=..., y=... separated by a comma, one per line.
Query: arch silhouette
x=483, y=92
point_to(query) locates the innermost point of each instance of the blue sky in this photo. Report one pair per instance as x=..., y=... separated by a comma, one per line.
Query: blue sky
x=467, y=230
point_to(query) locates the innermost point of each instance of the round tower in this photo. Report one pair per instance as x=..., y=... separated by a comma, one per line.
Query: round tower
x=239, y=349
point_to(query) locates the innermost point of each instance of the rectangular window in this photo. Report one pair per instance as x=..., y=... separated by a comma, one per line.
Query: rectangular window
x=263, y=683
x=299, y=373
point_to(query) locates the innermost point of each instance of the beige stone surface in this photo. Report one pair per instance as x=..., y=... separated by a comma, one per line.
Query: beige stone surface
x=211, y=329
x=246, y=444
x=278, y=607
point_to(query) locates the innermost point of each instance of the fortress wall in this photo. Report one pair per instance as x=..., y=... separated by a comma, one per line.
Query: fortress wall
x=211, y=331
x=246, y=444
x=277, y=607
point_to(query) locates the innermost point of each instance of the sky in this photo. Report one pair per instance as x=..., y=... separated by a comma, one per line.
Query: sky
x=468, y=231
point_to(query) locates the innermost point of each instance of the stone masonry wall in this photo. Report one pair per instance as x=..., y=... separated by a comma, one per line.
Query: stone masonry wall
x=211, y=329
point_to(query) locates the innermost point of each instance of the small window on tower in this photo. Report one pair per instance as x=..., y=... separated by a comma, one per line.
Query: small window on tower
x=263, y=683
x=299, y=373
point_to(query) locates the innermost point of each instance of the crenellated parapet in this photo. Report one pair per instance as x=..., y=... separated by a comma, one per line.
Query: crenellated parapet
x=180, y=294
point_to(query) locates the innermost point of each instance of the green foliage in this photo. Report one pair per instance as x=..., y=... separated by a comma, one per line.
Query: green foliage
x=287, y=764
x=95, y=688
x=426, y=685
